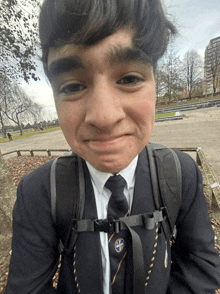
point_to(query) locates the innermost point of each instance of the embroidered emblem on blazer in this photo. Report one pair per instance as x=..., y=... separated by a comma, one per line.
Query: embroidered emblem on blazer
x=119, y=245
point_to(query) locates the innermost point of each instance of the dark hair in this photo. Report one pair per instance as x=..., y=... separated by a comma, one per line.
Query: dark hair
x=89, y=21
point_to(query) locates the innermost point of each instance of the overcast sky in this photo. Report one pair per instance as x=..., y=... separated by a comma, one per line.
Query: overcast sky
x=198, y=21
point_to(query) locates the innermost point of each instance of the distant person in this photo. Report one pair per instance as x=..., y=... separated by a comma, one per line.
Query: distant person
x=9, y=136
x=100, y=57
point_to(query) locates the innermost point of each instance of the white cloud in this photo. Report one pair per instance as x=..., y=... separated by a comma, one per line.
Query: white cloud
x=201, y=52
x=40, y=92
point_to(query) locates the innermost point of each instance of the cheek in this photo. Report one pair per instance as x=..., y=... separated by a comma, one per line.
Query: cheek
x=145, y=116
x=69, y=117
x=146, y=108
x=143, y=112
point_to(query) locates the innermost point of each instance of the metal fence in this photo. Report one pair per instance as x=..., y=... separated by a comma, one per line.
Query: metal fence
x=32, y=151
x=190, y=106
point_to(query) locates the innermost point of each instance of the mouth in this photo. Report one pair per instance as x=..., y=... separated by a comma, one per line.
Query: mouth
x=108, y=142
x=104, y=139
x=109, y=138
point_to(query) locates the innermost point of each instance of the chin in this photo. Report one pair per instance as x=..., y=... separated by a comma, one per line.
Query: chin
x=111, y=167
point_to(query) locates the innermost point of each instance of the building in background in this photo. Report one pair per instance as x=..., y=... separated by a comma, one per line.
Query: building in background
x=212, y=67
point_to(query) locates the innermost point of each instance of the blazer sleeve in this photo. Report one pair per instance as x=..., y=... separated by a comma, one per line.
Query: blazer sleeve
x=35, y=255
x=195, y=264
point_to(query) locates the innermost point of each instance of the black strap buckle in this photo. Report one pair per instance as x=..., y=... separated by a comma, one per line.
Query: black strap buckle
x=108, y=226
x=74, y=225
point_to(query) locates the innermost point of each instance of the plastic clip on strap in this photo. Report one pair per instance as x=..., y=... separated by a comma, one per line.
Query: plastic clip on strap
x=146, y=220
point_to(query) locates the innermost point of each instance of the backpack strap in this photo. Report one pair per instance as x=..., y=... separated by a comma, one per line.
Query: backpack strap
x=67, y=178
x=166, y=177
x=166, y=180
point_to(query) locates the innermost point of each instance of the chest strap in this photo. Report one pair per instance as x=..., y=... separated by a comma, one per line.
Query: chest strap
x=147, y=220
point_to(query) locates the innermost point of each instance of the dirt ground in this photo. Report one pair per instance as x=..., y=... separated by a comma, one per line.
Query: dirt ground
x=200, y=128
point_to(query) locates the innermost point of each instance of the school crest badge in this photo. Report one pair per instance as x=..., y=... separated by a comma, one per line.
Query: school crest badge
x=119, y=245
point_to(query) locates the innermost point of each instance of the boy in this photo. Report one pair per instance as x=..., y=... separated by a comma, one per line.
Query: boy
x=100, y=57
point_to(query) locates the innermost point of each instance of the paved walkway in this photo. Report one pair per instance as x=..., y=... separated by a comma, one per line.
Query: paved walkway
x=201, y=128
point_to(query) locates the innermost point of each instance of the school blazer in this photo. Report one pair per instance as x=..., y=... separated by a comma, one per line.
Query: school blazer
x=191, y=265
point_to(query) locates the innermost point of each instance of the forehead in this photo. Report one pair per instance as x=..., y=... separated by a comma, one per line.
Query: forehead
x=122, y=38
x=116, y=48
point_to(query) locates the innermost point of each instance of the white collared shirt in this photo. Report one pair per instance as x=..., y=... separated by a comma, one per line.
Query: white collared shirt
x=102, y=196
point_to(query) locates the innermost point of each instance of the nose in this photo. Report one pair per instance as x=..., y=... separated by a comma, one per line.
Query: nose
x=105, y=107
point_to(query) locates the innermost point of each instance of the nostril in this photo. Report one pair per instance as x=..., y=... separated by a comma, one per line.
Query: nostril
x=104, y=115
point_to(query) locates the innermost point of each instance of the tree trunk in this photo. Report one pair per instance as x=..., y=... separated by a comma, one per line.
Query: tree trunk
x=3, y=132
x=21, y=130
x=3, y=126
x=214, y=89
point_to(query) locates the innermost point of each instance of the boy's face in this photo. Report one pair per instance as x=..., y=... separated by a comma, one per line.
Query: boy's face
x=105, y=99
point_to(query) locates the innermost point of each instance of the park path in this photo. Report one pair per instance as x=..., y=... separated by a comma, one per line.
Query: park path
x=201, y=128
x=50, y=140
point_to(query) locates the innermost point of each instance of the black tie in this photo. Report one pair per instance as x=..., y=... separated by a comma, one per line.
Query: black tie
x=117, y=207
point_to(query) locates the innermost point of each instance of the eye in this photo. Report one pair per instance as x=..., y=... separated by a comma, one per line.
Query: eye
x=71, y=88
x=131, y=79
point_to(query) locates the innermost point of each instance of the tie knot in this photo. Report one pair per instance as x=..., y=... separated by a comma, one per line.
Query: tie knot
x=116, y=184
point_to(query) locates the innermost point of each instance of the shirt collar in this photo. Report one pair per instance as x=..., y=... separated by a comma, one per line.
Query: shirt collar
x=100, y=178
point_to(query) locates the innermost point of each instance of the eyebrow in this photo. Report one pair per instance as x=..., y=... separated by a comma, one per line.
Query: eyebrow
x=121, y=54
x=64, y=64
x=117, y=54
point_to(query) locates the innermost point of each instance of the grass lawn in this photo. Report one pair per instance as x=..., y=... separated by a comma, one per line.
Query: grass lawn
x=17, y=136
x=164, y=114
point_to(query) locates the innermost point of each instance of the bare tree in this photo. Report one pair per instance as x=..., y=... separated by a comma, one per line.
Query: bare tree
x=171, y=75
x=3, y=122
x=159, y=83
x=35, y=112
x=18, y=106
x=198, y=88
x=192, y=70
x=4, y=89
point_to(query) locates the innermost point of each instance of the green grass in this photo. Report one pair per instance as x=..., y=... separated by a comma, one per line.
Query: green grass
x=164, y=114
x=17, y=136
